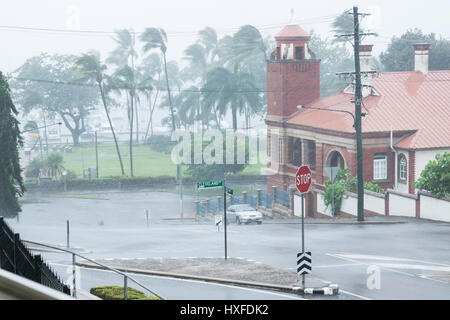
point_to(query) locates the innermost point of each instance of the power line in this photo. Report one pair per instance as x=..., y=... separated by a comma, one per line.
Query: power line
x=320, y=19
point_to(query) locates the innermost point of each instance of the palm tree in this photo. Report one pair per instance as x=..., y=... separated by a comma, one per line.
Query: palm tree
x=150, y=67
x=125, y=79
x=89, y=65
x=156, y=38
x=247, y=42
x=125, y=55
x=196, y=54
x=236, y=90
x=209, y=40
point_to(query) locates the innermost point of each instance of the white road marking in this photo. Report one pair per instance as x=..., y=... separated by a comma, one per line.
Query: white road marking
x=354, y=294
x=367, y=264
x=337, y=265
x=413, y=266
x=372, y=257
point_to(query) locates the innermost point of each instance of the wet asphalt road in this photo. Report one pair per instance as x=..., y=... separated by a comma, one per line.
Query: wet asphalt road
x=395, y=261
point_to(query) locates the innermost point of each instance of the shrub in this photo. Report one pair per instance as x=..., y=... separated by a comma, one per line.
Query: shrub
x=342, y=183
x=435, y=177
x=117, y=293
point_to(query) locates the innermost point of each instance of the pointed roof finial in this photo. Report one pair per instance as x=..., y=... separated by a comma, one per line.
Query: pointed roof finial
x=292, y=16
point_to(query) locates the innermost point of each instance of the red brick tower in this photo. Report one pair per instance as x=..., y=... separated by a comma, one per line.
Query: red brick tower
x=293, y=78
x=293, y=74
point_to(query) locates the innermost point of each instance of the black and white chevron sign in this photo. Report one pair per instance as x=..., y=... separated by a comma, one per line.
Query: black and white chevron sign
x=304, y=262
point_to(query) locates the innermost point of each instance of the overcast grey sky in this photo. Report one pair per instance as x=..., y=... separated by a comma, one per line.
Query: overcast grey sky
x=182, y=19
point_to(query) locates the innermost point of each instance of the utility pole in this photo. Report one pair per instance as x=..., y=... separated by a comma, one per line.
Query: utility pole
x=358, y=100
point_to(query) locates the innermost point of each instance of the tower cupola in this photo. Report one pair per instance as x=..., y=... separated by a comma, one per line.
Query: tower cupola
x=292, y=43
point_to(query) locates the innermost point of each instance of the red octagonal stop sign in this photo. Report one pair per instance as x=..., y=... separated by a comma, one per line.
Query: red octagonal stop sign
x=303, y=179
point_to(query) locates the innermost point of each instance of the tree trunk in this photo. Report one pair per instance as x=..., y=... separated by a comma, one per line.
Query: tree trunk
x=234, y=113
x=137, y=120
x=131, y=133
x=112, y=128
x=168, y=92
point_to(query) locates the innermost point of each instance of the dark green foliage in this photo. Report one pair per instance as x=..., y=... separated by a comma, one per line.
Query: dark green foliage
x=204, y=172
x=435, y=177
x=345, y=183
x=341, y=185
x=33, y=167
x=11, y=182
x=399, y=55
x=58, y=91
x=117, y=293
x=54, y=162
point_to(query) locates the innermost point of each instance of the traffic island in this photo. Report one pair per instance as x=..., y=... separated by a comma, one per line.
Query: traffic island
x=233, y=271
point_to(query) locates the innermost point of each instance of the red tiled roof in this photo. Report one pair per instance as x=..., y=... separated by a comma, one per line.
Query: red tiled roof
x=407, y=101
x=292, y=31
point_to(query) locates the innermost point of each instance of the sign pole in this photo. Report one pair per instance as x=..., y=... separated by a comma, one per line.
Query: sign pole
x=303, y=234
x=225, y=215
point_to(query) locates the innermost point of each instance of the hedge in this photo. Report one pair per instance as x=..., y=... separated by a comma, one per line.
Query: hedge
x=117, y=293
x=124, y=182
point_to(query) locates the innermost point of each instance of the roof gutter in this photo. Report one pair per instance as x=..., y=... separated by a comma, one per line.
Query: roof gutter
x=395, y=161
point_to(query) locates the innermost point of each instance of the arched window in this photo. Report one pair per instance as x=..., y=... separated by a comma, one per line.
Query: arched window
x=380, y=166
x=402, y=168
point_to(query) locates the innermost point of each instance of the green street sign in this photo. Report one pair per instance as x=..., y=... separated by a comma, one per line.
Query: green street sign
x=210, y=184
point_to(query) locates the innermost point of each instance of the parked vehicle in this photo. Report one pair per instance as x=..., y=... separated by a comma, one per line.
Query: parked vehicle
x=243, y=213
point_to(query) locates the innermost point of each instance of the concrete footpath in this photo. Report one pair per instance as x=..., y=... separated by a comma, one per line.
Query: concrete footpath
x=233, y=271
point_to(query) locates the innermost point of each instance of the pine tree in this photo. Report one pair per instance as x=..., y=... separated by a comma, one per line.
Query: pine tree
x=11, y=182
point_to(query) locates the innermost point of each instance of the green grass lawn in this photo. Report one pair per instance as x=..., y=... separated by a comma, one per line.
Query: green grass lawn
x=146, y=162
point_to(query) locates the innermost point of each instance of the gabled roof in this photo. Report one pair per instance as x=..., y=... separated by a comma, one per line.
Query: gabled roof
x=405, y=101
x=292, y=31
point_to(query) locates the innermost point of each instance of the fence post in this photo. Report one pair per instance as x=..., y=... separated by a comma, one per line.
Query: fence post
x=219, y=203
x=244, y=197
x=197, y=207
x=291, y=198
x=74, y=291
x=258, y=198
x=38, y=268
x=16, y=251
x=274, y=195
x=125, y=288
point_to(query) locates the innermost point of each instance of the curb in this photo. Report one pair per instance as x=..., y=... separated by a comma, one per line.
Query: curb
x=331, y=289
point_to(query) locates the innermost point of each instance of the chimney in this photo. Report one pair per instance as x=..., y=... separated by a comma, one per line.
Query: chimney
x=365, y=57
x=421, y=57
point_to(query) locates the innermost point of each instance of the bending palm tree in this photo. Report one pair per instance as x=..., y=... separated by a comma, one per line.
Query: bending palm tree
x=125, y=55
x=235, y=89
x=124, y=79
x=90, y=66
x=157, y=38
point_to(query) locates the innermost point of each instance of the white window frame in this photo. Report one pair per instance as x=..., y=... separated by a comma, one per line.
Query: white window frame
x=380, y=167
x=403, y=169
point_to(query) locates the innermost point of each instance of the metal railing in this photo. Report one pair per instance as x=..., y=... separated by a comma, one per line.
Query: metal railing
x=74, y=255
x=15, y=257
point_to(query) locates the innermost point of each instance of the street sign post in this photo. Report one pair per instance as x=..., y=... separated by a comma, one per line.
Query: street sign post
x=218, y=184
x=303, y=182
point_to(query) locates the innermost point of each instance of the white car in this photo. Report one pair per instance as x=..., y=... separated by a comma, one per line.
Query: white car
x=243, y=213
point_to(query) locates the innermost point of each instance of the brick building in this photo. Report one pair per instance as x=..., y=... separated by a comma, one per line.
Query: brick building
x=406, y=120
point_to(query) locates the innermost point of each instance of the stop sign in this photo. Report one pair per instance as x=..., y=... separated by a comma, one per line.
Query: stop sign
x=303, y=179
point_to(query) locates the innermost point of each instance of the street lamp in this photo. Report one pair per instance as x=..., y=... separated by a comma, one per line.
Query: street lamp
x=359, y=157
x=49, y=125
